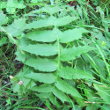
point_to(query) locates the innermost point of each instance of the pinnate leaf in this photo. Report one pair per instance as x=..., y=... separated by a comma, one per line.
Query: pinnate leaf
x=74, y=52
x=41, y=49
x=51, y=21
x=47, y=78
x=60, y=95
x=103, y=92
x=42, y=64
x=43, y=88
x=67, y=88
x=73, y=34
x=17, y=27
x=71, y=73
x=42, y=36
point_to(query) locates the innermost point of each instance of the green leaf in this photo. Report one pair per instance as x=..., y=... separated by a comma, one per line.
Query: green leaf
x=16, y=88
x=3, y=18
x=27, y=83
x=30, y=85
x=92, y=107
x=43, y=95
x=60, y=95
x=64, y=21
x=103, y=92
x=21, y=56
x=47, y=78
x=105, y=107
x=54, y=100
x=40, y=23
x=51, y=9
x=17, y=27
x=51, y=21
x=42, y=36
x=41, y=49
x=67, y=88
x=74, y=52
x=71, y=73
x=43, y=88
x=42, y=64
x=71, y=35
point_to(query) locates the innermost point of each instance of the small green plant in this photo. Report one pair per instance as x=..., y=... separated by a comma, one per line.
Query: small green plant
x=65, y=53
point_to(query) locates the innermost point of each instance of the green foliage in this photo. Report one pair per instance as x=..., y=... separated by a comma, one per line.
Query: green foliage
x=16, y=28
x=67, y=88
x=45, y=65
x=73, y=34
x=50, y=48
x=74, y=52
x=39, y=36
x=70, y=73
x=64, y=50
x=41, y=49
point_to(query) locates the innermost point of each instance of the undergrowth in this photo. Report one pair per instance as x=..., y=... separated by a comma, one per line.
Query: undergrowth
x=54, y=55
